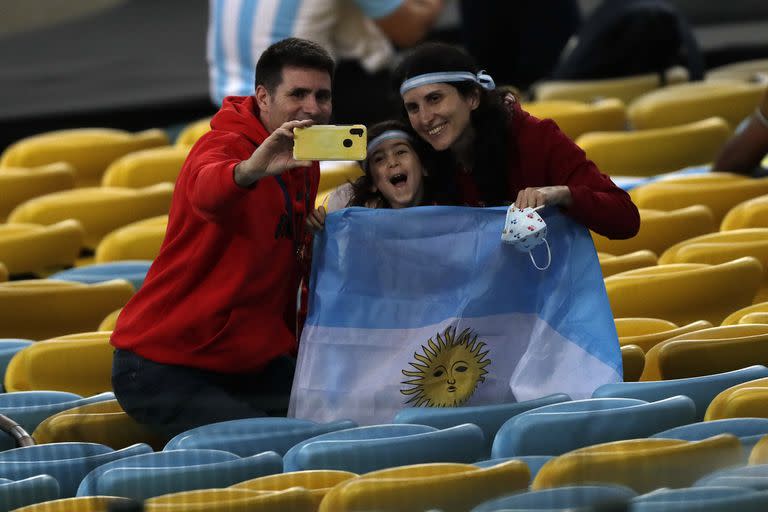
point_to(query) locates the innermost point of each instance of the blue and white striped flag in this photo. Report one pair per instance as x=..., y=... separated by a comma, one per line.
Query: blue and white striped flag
x=427, y=307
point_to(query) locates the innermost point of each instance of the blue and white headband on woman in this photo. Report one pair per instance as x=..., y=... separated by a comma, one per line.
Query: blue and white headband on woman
x=482, y=78
x=389, y=134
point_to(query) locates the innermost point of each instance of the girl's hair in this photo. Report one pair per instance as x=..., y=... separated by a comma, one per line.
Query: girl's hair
x=490, y=120
x=363, y=193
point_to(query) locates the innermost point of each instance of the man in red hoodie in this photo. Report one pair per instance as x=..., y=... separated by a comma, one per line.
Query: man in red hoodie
x=210, y=336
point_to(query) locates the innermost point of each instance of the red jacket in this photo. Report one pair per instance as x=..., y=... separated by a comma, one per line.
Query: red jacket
x=221, y=294
x=541, y=155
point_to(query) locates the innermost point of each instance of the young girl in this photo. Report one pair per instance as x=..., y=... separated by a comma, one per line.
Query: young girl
x=395, y=174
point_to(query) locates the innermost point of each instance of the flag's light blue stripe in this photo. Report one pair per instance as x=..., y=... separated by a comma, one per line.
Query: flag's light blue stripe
x=245, y=25
x=220, y=59
x=426, y=285
x=285, y=19
x=378, y=8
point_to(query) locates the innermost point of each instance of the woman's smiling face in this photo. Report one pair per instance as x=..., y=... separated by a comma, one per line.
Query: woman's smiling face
x=439, y=113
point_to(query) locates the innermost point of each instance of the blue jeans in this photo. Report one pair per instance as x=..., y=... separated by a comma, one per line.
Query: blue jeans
x=171, y=399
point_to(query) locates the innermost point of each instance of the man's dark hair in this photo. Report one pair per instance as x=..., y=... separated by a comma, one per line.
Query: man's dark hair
x=292, y=52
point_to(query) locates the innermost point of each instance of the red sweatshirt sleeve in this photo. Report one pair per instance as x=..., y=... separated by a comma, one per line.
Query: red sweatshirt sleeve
x=597, y=202
x=209, y=178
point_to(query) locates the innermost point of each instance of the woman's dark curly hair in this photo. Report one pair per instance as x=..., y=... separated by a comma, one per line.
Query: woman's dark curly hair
x=490, y=121
x=363, y=193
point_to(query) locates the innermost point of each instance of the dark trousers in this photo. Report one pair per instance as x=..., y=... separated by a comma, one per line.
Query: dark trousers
x=171, y=399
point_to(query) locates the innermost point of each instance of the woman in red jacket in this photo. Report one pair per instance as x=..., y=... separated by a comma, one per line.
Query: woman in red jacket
x=493, y=154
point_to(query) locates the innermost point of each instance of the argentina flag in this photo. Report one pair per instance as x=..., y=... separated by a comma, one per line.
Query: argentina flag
x=427, y=307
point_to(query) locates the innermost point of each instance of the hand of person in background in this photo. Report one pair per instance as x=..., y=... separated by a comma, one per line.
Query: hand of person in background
x=559, y=195
x=410, y=22
x=273, y=157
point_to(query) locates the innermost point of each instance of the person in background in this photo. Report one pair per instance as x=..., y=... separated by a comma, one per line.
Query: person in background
x=211, y=334
x=361, y=35
x=744, y=151
x=491, y=153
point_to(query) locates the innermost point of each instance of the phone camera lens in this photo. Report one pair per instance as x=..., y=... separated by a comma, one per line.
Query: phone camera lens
x=347, y=143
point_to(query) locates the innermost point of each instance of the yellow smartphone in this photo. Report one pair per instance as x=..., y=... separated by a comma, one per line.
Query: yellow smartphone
x=330, y=142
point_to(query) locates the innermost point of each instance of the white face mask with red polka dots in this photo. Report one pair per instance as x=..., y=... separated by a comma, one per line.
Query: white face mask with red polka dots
x=525, y=229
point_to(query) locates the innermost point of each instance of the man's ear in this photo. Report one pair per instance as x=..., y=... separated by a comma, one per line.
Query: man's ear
x=262, y=97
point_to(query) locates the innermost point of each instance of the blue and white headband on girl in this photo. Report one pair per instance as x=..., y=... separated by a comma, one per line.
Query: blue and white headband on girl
x=482, y=78
x=389, y=134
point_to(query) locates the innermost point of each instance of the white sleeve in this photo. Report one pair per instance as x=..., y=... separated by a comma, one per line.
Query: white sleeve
x=339, y=197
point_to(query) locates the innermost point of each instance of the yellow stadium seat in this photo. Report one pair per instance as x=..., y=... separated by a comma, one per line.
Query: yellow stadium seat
x=704, y=177
x=3, y=272
x=108, y=324
x=99, y=210
x=707, y=351
x=746, y=400
x=719, y=409
x=21, y=184
x=759, y=453
x=678, y=104
x=36, y=249
x=736, y=316
x=41, y=308
x=625, y=89
x=101, y=422
x=136, y=241
x=89, y=150
x=611, y=264
x=626, y=327
x=577, y=118
x=146, y=167
x=334, y=174
x=649, y=340
x=317, y=482
x=752, y=213
x=760, y=317
x=723, y=246
x=633, y=361
x=684, y=293
x=743, y=71
x=84, y=504
x=719, y=196
x=445, y=487
x=641, y=464
x=674, y=147
x=192, y=132
x=78, y=363
x=233, y=500
x=660, y=230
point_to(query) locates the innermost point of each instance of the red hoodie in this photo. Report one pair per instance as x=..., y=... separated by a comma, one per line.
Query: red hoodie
x=221, y=294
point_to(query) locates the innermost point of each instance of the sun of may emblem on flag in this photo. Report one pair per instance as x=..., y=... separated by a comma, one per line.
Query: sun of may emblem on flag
x=448, y=371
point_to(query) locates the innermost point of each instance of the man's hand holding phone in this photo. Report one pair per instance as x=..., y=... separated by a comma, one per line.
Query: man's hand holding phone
x=274, y=156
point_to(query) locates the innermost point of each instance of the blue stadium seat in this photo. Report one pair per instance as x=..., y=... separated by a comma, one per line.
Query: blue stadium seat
x=700, y=389
x=560, y=498
x=758, y=470
x=27, y=412
x=155, y=474
x=133, y=271
x=748, y=430
x=365, y=449
x=702, y=499
x=68, y=463
x=560, y=428
x=28, y=491
x=488, y=417
x=250, y=436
